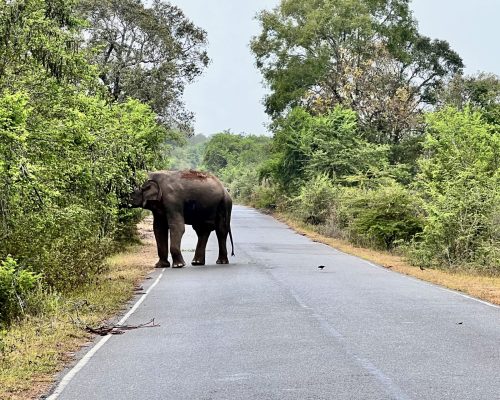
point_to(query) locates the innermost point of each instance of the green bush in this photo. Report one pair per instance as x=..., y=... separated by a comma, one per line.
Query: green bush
x=60, y=204
x=236, y=160
x=460, y=181
x=382, y=217
x=461, y=229
x=69, y=153
x=315, y=200
x=19, y=291
x=266, y=197
x=305, y=145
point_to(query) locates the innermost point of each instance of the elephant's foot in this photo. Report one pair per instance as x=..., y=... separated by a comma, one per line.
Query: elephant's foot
x=162, y=264
x=198, y=262
x=221, y=260
x=179, y=264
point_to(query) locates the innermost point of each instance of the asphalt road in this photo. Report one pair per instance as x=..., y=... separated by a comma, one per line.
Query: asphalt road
x=271, y=325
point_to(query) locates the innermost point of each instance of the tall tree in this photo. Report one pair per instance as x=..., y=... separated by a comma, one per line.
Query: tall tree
x=40, y=33
x=480, y=92
x=148, y=53
x=363, y=54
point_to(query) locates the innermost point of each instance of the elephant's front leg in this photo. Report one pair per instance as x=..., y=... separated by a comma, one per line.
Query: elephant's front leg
x=199, y=255
x=176, y=226
x=160, y=228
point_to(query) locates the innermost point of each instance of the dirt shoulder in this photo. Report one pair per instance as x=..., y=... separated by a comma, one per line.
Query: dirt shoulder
x=34, y=350
x=486, y=288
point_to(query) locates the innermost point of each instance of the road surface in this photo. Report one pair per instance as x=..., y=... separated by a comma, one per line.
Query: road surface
x=271, y=325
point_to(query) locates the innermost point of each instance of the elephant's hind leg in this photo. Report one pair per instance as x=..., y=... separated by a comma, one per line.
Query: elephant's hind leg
x=203, y=235
x=222, y=239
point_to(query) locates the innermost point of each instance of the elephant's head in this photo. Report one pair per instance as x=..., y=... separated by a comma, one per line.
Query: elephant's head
x=148, y=192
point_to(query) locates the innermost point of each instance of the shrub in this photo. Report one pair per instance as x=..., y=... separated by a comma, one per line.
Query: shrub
x=305, y=145
x=60, y=203
x=382, y=217
x=265, y=197
x=459, y=181
x=19, y=289
x=314, y=202
x=462, y=228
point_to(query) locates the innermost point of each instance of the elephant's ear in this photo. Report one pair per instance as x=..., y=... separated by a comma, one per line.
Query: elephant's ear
x=151, y=191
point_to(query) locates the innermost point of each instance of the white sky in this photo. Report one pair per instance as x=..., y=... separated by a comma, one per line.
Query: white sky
x=229, y=94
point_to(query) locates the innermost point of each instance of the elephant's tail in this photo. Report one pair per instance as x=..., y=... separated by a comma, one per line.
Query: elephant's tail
x=229, y=229
x=232, y=244
x=229, y=208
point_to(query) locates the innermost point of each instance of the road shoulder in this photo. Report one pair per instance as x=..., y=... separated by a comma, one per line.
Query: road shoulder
x=485, y=288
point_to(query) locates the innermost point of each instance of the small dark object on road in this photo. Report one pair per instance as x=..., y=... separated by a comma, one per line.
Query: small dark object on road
x=119, y=329
x=459, y=323
x=321, y=266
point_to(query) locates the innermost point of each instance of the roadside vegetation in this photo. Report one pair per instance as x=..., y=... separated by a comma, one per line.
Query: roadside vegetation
x=379, y=140
x=90, y=99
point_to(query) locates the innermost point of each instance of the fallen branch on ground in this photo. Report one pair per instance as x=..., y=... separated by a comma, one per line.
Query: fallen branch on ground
x=119, y=329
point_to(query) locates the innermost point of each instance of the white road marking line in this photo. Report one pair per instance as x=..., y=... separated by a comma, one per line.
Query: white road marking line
x=73, y=371
x=392, y=389
x=435, y=285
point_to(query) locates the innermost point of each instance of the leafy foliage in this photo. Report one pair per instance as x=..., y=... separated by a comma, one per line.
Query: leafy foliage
x=68, y=157
x=306, y=145
x=315, y=200
x=236, y=160
x=189, y=153
x=382, y=217
x=41, y=36
x=149, y=53
x=355, y=88
x=64, y=183
x=460, y=181
x=480, y=92
x=366, y=55
x=19, y=291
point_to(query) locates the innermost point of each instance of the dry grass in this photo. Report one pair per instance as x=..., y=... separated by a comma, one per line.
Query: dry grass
x=482, y=287
x=35, y=349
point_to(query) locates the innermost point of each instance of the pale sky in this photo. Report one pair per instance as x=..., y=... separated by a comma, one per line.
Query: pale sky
x=229, y=94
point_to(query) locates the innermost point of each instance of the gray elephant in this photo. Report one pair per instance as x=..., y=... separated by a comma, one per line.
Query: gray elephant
x=188, y=197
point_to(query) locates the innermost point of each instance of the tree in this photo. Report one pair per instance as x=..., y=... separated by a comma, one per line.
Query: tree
x=147, y=53
x=40, y=36
x=222, y=150
x=189, y=154
x=366, y=55
x=68, y=156
x=481, y=92
x=236, y=160
x=305, y=145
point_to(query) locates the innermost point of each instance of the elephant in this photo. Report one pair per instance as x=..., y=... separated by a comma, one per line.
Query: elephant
x=184, y=197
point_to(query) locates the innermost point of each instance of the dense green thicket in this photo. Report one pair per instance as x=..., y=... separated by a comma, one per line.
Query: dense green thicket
x=446, y=216
x=459, y=181
x=378, y=137
x=69, y=153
